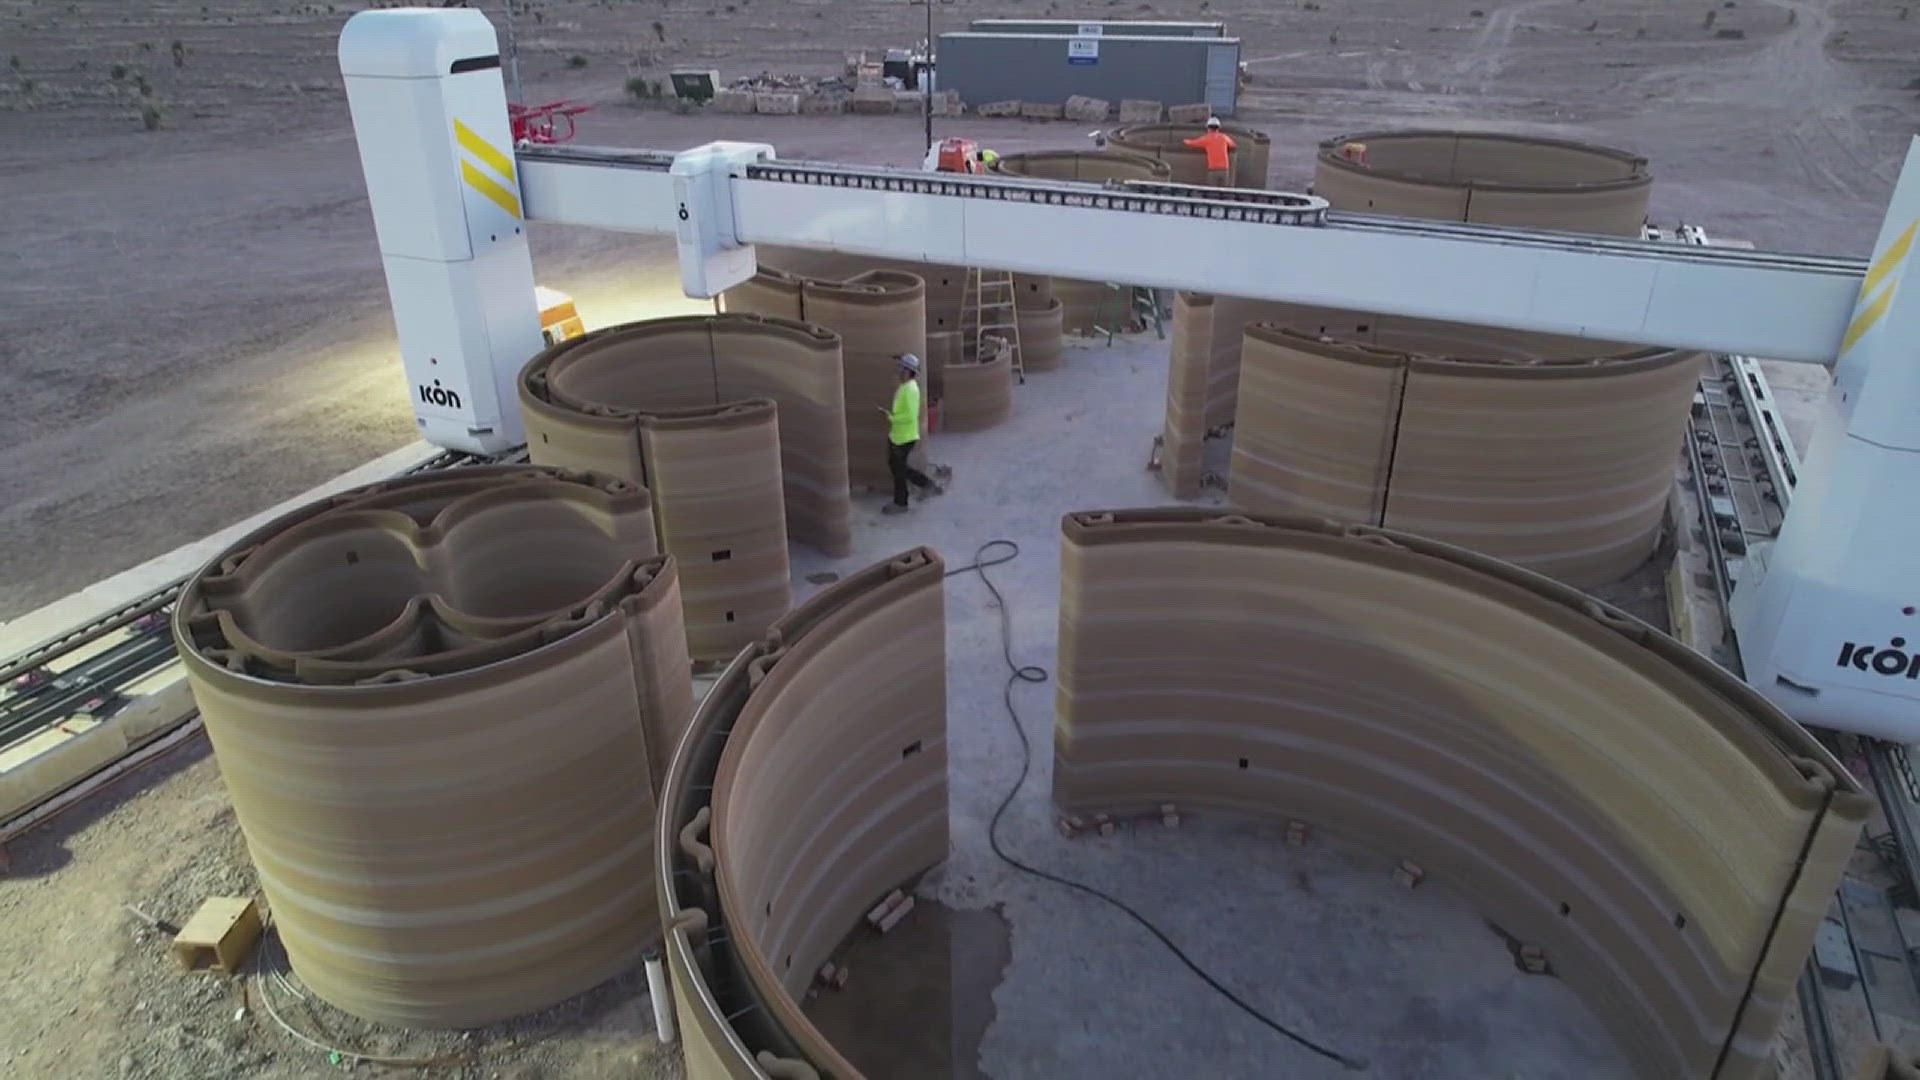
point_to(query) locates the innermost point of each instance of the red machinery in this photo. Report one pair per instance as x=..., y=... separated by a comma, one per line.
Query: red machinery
x=545, y=124
x=959, y=155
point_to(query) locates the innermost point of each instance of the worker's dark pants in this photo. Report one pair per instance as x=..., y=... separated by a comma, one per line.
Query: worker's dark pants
x=1219, y=177
x=903, y=473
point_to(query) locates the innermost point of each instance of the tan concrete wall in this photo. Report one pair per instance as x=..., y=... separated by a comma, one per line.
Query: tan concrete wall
x=432, y=699
x=879, y=314
x=1488, y=178
x=1167, y=143
x=1183, y=445
x=1449, y=176
x=1596, y=789
x=979, y=392
x=715, y=477
x=832, y=727
x=1560, y=467
x=582, y=399
x=1042, y=346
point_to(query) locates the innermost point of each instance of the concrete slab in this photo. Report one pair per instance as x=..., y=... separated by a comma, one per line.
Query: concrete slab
x=1317, y=936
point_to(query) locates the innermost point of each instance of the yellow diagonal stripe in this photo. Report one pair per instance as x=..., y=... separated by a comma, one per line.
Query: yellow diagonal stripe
x=488, y=186
x=1864, y=321
x=1884, y=265
x=484, y=150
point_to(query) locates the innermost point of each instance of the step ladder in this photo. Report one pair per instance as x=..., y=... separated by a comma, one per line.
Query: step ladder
x=987, y=310
x=1124, y=307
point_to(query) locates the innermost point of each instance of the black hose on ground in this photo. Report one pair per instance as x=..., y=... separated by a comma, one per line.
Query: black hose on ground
x=1018, y=673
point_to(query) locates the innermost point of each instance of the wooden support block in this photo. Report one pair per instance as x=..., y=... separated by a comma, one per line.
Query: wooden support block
x=1533, y=960
x=220, y=934
x=1297, y=833
x=1169, y=815
x=899, y=912
x=878, y=916
x=1408, y=873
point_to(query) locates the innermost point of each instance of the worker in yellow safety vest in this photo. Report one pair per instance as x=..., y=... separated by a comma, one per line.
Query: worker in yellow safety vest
x=987, y=158
x=903, y=434
x=1218, y=146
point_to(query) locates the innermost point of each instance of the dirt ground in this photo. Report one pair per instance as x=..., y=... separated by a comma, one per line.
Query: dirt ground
x=193, y=325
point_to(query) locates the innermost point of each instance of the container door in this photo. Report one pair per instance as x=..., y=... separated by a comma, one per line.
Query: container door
x=1223, y=77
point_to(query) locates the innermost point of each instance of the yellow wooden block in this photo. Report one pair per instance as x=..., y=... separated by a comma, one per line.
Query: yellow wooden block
x=220, y=934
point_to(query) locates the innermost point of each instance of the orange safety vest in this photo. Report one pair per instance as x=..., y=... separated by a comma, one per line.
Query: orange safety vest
x=1216, y=144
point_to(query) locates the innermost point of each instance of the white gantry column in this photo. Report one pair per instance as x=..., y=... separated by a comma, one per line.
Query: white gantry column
x=1830, y=628
x=430, y=116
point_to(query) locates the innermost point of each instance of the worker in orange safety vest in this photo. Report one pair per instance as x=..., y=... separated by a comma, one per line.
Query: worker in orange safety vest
x=1219, y=147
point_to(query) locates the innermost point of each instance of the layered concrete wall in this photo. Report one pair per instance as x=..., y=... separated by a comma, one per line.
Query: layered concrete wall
x=1560, y=466
x=1167, y=143
x=737, y=422
x=878, y=315
x=1183, y=442
x=440, y=706
x=811, y=783
x=1666, y=836
x=1487, y=178
x=979, y=389
x=1552, y=452
x=1042, y=337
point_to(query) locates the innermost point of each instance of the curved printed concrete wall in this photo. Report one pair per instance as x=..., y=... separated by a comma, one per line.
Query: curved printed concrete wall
x=441, y=706
x=1167, y=143
x=979, y=391
x=812, y=782
x=1541, y=183
x=1183, y=436
x=1084, y=304
x=694, y=362
x=669, y=403
x=1562, y=467
x=944, y=284
x=878, y=314
x=1666, y=836
x=1042, y=337
x=1487, y=178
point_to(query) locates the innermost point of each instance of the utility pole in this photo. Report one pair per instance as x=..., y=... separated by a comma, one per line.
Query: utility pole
x=513, y=56
x=926, y=81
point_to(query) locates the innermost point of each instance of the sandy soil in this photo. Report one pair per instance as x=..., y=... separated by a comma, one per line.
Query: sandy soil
x=192, y=320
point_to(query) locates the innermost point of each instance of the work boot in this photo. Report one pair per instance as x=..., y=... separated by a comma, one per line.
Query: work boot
x=935, y=488
x=893, y=508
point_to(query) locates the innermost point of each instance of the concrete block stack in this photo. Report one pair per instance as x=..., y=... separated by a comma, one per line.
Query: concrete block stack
x=776, y=104
x=733, y=101
x=823, y=105
x=947, y=103
x=871, y=101
x=1140, y=111
x=1000, y=108
x=1189, y=114
x=1039, y=110
x=908, y=101
x=1090, y=110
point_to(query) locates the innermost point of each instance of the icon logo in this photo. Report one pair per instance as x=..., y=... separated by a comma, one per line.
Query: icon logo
x=438, y=395
x=1892, y=660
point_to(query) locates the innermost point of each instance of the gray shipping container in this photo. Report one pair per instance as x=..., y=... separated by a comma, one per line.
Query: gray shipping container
x=1118, y=28
x=1050, y=68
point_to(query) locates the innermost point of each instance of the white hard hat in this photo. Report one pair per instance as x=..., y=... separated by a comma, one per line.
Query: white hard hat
x=1213, y=121
x=909, y=362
